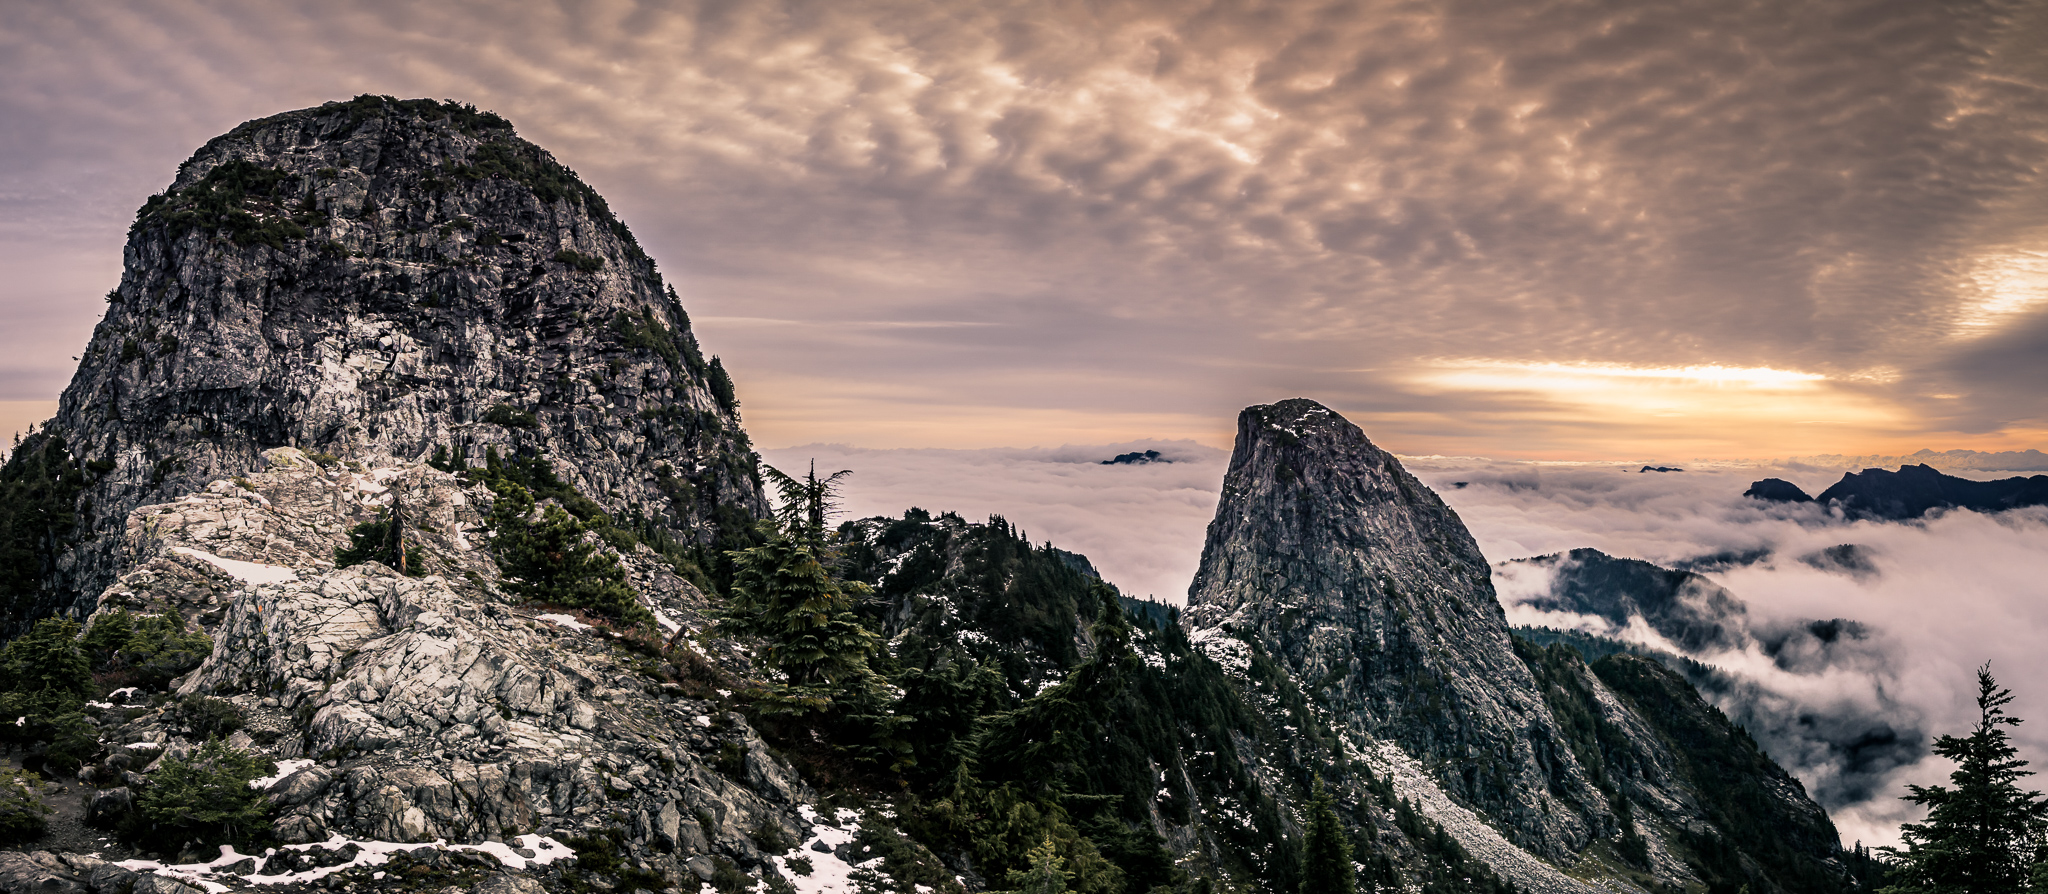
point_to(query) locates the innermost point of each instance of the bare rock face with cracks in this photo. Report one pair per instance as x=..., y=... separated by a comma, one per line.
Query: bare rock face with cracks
x=1326, y=555
x=427, y=708
x=385, y=277
x=1328, y=552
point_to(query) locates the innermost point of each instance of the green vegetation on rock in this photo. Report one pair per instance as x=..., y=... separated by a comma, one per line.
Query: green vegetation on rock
x=1326, y=848
x=510, y=417
x=39, y=488
x=380, y=540
x=241, y=198
x=145, y=651
x=22, y=811
x=202, y=801
x=548, y=560
x=578, y=261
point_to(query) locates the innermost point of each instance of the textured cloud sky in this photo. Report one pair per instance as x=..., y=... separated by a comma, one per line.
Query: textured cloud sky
x=1544, y=228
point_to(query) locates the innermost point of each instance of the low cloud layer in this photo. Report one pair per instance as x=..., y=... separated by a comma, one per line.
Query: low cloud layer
x=913, y=223
x=1141, y=525
x=1939, y=597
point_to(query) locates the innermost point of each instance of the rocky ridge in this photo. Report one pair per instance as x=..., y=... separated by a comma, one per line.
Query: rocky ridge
x=1329, y=554
x=415, y=709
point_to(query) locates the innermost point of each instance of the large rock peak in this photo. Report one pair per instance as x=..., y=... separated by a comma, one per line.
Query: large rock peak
x=1307, y=489
x=1329, y=556
x=387, y=278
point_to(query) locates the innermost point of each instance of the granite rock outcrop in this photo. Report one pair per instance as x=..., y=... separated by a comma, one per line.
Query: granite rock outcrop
x=1328, y=557
x=416, y=709
x=385, y=278
x=1331, y=556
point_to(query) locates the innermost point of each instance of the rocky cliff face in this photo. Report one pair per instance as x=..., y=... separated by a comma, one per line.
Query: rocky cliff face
x=1369, y=589
x=381, y=278
x=428, y=707
x=1372, y=597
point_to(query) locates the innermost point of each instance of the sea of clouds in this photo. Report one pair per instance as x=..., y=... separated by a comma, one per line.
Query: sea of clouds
x=1142, y=525
x=1948, y=594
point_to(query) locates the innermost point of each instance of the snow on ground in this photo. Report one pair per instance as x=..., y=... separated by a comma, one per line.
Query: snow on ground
x=246, y=572
x=1482, y=841
x=1223, y=649
x=667, y=623
x=545, y=850
x=562, y=621
x=828, y=874
x=284, y=768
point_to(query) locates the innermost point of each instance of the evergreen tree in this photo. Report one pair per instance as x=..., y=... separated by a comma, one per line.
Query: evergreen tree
x=381, y=540
x=807, y=503
x=1325, y=849
x=47, y=659
x=1983, y=836
x=551, y=562
x=203, y=799
x=782, y=594
x=1047, y=873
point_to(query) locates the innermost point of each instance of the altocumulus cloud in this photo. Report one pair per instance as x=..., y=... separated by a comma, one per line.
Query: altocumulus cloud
x=1159, y=208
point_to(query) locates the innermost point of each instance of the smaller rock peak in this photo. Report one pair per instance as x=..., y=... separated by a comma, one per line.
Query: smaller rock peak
x=1297, y=418
x=1777, y=490
x=1294, y=409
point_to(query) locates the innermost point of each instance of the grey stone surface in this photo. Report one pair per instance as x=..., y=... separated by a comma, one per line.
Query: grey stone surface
x=1370, y=590
x=426, y=291
x=1331, y=558
x=432, y=707
x=42, y=872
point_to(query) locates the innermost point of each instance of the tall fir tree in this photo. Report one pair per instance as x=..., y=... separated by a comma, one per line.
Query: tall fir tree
x=1984, y=835
x=782, y=594
x=1325, y=849
x=1047, y=873
x=808, y=503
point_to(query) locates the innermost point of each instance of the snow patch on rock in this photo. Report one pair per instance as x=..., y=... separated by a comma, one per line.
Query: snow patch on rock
x=246, y=572
x=545, y=850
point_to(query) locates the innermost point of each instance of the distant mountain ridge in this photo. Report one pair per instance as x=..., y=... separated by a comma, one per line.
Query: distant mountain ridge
x=1974, y=460
x=1909, y=493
